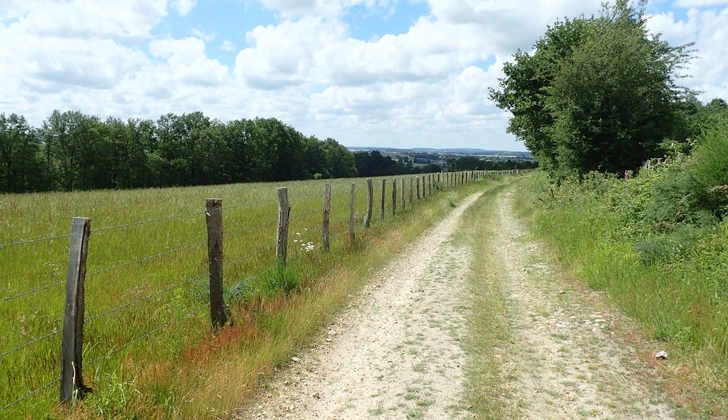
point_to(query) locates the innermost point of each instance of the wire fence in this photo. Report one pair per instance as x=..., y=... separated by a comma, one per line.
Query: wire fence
x=147, y=222
x=32, y=241
x=151, y=257
x=300, y=243
x=145, y=298
x=30, y=292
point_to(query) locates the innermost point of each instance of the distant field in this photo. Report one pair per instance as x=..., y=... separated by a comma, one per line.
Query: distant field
x=146, y=287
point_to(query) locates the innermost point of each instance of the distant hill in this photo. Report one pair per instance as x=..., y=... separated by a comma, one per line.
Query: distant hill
x=447, y=151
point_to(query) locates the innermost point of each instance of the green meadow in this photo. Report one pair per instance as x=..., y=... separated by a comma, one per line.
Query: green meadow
x=146, y=289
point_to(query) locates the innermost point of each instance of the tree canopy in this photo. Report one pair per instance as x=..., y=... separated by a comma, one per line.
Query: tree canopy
x=74, y=151
x=597, y=93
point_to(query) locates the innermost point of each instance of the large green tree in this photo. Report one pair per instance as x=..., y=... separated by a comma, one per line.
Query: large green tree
x=597, y=93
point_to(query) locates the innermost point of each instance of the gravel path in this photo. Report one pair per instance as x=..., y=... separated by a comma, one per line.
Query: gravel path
x=565, y=360
x=397, y=351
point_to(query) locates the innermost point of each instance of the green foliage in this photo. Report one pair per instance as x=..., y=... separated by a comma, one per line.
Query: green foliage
x=669, y=277
x=20, y=158
x=282, y=278
x=597, y=93
x=74, y=151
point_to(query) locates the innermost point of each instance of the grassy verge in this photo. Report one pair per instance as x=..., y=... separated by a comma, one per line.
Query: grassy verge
x=215, y=374
x=489, y=337
x=679, y=302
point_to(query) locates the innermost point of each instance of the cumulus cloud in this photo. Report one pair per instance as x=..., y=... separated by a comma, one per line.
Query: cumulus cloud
x=183, y=6
x=89, y=18
x=418, y=87
x=709, y=30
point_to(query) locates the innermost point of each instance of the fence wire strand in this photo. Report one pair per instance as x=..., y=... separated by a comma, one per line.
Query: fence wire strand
x=308, y=213
x=145, y=298
x=145, y=222
x=30, y=343
x=30, y=292
x=140, y=338
x=30, y=394
x=32, y=241
x=248, y=229
x=248, y=204
x=258, y=252
x=151, y=257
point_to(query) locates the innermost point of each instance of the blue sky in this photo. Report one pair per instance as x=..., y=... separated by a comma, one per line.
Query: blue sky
x=397, y=73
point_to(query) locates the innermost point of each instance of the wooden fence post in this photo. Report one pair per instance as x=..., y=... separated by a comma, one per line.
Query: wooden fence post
x=394, y=196
x=418, y=187
x=404, y=196
x=384, y=189
x=72, y=342
x=429, y=184
x=423, y=187
x=284, y=211
x=351, y=214
x=370, y=203
x=326, y=218
x=410, y=190
x=213, y=217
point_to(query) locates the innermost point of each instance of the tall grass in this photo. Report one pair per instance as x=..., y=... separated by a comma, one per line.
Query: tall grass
x=148, y=347
x=680, y=298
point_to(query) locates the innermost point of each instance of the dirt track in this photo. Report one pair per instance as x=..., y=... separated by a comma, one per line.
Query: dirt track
x=398, y=350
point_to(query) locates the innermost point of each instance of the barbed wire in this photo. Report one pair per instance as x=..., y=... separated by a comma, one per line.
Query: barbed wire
x=144, y=222
x=29, y=343
x=145, y=298
x=136, y=340
x=151, y=257
x=258, y=252
x=30, y=292
x=31, y=241
x=30, y=394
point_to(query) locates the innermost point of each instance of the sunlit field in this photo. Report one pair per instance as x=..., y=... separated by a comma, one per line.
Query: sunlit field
x=147, y=291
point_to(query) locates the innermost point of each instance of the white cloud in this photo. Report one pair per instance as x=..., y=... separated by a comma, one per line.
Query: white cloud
x=699, y=3
x=416, y=88
x=188, y=62
x=183, y=7
x=203, y=36
x=227, y=45
x=89, y=18
x=709, y=30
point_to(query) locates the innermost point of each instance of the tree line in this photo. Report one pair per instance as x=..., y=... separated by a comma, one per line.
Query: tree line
x=74, y=151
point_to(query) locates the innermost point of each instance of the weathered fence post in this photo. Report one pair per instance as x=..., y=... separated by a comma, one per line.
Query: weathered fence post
x=284, y=211
x=326, y=218
x=394, y=196
x=410, y=190
x=72, y=342
x=404, y=196
x=429, y=184
x=213, y=217
x=370, y=203
x=351, y=214
x=423, y=187
x=384, y=195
